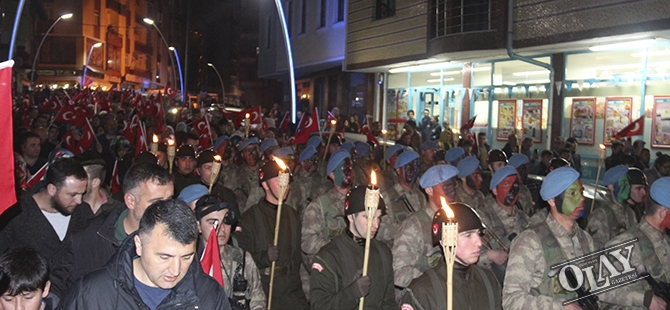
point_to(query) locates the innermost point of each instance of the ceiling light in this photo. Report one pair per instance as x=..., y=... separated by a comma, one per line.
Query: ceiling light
x=654, y=53
x=425, y=67
x=623, y=45
x=525, y=73
x=446, y=73
x=509, y=83
x=438, y=80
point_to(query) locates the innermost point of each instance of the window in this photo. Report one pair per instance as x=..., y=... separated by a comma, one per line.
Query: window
x=303, y=19
x=385, y=8
x=289, y=18
x=340, y=10
x=268, y=33
x=322, y=13
x=458, y=16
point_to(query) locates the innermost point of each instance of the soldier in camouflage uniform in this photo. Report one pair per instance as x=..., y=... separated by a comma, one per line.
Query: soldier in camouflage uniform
x=223, y=148
x=428, y=149
x=525, y=203
x=651, y=250
x=454, y=155
x=241, y=279
x=268, y=146
x=335, y=279
x=413, y=250
x=627, y=186
x=308, y=182
x=388, y=175
x=474, y=287
x=205, y=162
x=502, y=218
x=468, y=189
x=360, y=177
x=557, y=239
x=403, y=198
x=363, y=164
x=246, y=176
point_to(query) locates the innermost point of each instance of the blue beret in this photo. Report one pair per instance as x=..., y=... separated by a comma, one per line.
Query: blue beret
x=392, y=150
x=467, y=166
x=282, y=152
x=220, y=140
x=308, y=152
x=268, y=143
x=557, y=182
x=659, y=191
x=517, y=160
x=193, y=192
x=614, y=174
x=347, y=146
x=335, y=160
x=437, y=174
x=454, y=153
x=429, y=144
x=362, y=148
x=500, y=175
x=405, y=158
x=247, y=142
x=314, y=141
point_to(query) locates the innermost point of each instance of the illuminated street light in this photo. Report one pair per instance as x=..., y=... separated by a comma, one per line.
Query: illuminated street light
x=37, y=52
x=90, y=51
x=150, y=21
x=223, y=92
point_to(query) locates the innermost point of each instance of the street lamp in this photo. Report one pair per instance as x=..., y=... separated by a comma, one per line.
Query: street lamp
x=83, y=76
x=289, y=55
x=181, y=77
x=37, y=52
x=151, y=22
x=223, y=92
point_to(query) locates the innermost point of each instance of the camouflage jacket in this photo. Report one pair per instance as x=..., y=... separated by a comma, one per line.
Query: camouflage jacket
x=322, y=220
x=476, y=200
x=652, y=250
x=245, y=179
x=231, y=262
x=527, y=268
x=525, y=202
x=307, y=188
x=609, y=220
x=400, y=204
x=501, y=223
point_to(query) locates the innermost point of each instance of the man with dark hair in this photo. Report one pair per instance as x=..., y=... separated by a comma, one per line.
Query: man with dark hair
x=97, y=197
x=410, y=115
x=193, y=140
x=482, y=150
x=617, y=153
x=144, y=184
x=155, y=268
x=49, y=211
x=29, y=148
x=414, y=139
x=424, y=126
x=205, y=161
x=184, y=167
x=246, y=175
x=25, y=282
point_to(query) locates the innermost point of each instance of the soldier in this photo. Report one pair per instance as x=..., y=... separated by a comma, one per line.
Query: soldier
x=322, y=219
x=454, y=155
x=287, y=156
x=336, y=281
x=241, y=279
x=501, y=218
x=615, y=216
x=474, y=287
x=557, y=239
x=428, y=149
x=205, y=162
x=388, y=175
x=223, y=148
x=403, y=198
x=543, y=208
x=468, y=189
x=192, y=193
x=496, y=159
x=246, y=176
x=185, y=166
x=307, y=180
x=525, y=203
x=651, y=250
x=256, y=234
x=413, y=250
x=268, y=146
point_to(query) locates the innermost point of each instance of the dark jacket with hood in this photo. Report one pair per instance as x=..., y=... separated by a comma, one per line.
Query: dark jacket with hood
x=113, y=287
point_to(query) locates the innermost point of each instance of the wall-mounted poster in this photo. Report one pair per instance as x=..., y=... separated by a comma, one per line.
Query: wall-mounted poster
x=582, y=121
x=532, y=119
x=506, y=119
x=660, y=123
x=617, y=116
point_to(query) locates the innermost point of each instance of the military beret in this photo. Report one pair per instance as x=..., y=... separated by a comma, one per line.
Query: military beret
x=391, y=150
x=335, y=160
x=496, y=155
x=268, y=143
x=185, y=151
x=659, y=191
x=207, y=156
x=283, y=152
x=193, y=192
x=467, y=166
x=437, y=174
x=247, y=142
x=467, y=218
x=557, y=182
x=355, y=201
x=405, y=158
x=428, y=145
x=454, y=153
x=362, y=148
x=220, y=140
x=347, y=146
x=308, y=152
x=500, y=175
x=314, y=141
x=517, y=160
x=614, y=174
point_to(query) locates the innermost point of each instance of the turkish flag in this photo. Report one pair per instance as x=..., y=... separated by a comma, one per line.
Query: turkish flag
x=116, y=183
x=70, y=114
x=87, y=138
x=635, y=128
x=308, y=124
x=50, y=105
x=210, y=260
x=169, y=91
x=227, y=114
x=141, y=144
x=159, y=120
x=254, y=115
x=7, y=182
x=38, y=176
x=201, y=125
x=130, y=129
x=468, y=125
x=69, y=142
x=285, y=122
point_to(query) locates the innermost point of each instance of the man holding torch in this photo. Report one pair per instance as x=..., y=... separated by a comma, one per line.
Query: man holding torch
x=473, y=287
x=336, y=277
x=207, y=163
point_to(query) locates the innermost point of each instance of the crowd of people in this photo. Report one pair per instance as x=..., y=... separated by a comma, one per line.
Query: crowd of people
x=123, y=221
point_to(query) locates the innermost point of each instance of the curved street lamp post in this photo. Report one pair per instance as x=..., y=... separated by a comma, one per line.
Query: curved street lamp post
x=90, y=51
x=223, y=91
x=37, y=52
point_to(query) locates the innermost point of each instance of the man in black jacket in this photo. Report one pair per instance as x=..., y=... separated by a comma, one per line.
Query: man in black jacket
x=153, y=269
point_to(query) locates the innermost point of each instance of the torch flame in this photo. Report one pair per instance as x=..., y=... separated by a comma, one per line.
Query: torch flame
x=373, y=178
x=333, y=122
x=280, y=162
x=602, y=146
x=247, y=115
x=384, y=131
x=217, y=158
x=445, y=206
x=170, y=142
x=155, y=138
x=454, y=130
